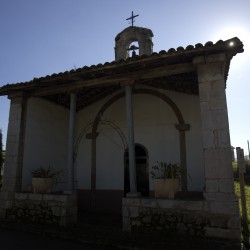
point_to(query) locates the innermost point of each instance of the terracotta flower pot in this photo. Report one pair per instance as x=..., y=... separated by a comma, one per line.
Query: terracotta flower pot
x=42, y=185
x=166, y=188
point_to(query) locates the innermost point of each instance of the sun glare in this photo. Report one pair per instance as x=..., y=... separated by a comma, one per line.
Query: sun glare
x=235, y=31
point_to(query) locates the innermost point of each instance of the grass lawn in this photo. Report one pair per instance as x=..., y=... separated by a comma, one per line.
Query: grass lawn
x=245, y=232
x=247, y=186
x=247, y=190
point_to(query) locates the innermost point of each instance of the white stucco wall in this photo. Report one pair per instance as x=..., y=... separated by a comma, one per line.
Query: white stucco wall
x=154, y=128
x=46, y=139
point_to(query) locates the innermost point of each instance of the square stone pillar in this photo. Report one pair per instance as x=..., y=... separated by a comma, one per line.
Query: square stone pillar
x=215, y=127
x=15, y=144
x=220, y=199
x=12, y=179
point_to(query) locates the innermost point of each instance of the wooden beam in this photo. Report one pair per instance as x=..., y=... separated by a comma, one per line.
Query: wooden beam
x=114, y=79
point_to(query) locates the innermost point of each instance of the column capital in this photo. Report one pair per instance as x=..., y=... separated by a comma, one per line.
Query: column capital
x=183, y=127
x=129, y=82
x=16, y=95
x=92, y=135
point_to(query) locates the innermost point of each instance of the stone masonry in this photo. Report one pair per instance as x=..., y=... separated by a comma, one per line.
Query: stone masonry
x=196, y=218
x=59, y=209
x=129, y=35
x=219, y=184
x=14, y=145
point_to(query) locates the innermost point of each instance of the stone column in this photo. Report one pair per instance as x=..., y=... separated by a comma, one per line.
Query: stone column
x=71, y=142
x=182, y=129
x=131, y=143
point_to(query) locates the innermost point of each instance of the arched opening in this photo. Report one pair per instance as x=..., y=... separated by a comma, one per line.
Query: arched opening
x=181, y=127
x=142, y=174
x=133, y=49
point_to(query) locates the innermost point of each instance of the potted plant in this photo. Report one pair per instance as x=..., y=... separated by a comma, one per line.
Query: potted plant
x=166, y=179
x=43, y=179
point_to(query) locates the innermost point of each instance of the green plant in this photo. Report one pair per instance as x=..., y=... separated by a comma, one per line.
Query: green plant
x=247, y=192
x=163, y=170
x=42, y=172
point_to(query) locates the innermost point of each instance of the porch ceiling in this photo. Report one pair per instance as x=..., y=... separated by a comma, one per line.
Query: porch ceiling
x=185, y=83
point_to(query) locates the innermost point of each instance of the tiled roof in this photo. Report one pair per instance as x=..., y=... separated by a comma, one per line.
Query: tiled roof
x=231, y=47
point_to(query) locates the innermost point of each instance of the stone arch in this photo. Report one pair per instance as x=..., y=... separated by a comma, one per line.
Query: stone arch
x=181, y=127
x=93, y=136
x=101, y=122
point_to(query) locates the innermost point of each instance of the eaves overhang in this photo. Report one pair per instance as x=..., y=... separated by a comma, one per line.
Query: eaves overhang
x=155, y=69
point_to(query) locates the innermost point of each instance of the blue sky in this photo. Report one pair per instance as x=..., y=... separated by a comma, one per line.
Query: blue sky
x=39, y=38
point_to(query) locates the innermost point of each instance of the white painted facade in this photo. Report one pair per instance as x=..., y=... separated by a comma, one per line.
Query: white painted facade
x=46, y=139
x=154, y=123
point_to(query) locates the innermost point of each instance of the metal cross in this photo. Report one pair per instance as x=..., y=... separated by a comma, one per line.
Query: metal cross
x=132, y=18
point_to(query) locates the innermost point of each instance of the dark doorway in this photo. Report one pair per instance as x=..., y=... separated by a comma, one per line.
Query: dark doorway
x=142, y=176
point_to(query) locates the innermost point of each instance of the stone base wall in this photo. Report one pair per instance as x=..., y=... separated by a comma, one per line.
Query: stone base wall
x=59, y=209
x=196, y=218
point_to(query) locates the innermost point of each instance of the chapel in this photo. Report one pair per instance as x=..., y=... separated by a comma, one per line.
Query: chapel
x=104, y=127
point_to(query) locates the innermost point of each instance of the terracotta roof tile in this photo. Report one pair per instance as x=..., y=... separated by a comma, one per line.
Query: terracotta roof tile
x=171, y=50
x=180, y=48
x=198, y=48
x=189, y=47
x=209, y=44
x=198, y=45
